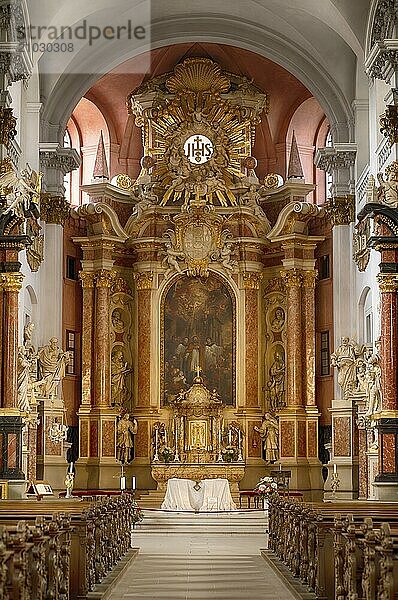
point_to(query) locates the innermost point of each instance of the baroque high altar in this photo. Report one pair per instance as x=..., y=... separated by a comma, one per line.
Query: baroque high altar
x=198, y=295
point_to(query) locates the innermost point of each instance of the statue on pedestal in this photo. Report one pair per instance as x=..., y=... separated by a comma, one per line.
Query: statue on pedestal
x=276, y=383
x=269, y=433
x=344, y=359
x=119, y=371
x=126, y=429
x=52, y=362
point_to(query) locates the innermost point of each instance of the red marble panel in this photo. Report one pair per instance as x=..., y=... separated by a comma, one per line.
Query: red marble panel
x=141, y=441
x=254, y=442
x=93, y=438
x=108, y=438
x=12, y=451
x=388, y=453
x=342, y=436
x=32, y=443
x=144, y=347
x=84, y=438
x=1, y=452
x=312, y=450
x=51, y=448
x=251, y=348
x=287, y=439
x=389, y=357
x=302, y=441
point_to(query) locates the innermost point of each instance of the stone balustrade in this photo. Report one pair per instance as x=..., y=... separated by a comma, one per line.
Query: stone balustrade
x=305, y=537
x=61, y=555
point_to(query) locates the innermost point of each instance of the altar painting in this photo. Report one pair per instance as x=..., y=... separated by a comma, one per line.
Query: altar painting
x=198, y=331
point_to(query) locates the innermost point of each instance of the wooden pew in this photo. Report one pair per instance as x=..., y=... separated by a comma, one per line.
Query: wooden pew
x=302, y=536
x=100, y=534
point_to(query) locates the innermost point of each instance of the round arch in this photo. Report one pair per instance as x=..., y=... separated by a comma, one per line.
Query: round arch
x=69, y=88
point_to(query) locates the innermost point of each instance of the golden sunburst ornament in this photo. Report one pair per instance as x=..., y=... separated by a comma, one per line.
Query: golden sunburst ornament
x=198, y=75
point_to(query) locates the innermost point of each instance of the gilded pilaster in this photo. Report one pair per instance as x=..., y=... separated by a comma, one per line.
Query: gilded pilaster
x=293, y=280
x=309, y=280
x=87, y=280
x=144, y=283
x=102, y=374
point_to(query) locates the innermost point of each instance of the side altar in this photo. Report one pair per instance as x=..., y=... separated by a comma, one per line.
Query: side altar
x=195, y=442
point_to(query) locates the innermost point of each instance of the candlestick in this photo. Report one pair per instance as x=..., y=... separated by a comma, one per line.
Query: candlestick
x=71, y=467
x=156, y=457
x=230, y=437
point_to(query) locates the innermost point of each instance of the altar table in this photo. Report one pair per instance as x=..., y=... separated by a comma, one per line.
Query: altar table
x=207, y=495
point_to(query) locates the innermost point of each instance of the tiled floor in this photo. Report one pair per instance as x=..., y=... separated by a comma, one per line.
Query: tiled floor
x=208, y=563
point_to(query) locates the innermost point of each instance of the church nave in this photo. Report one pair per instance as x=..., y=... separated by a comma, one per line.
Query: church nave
x=192, y=556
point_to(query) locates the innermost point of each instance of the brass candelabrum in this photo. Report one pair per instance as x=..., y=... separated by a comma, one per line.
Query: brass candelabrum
x=335, y=483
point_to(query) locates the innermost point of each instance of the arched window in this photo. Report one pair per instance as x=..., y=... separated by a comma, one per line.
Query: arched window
x=68, y=176
x=328, y=176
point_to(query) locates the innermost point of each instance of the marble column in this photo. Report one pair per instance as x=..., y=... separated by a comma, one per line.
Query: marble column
x=102, y=372
x=87, y=280
x=389, y=336
x=309, y=279
x=294, y=380
x=386, y=481
x=11, y=284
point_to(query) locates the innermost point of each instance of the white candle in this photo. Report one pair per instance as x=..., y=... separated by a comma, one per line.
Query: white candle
x=334, y=468
x=71, y=467
x=239, y=438
x=133, y=483
x=165, y=437
x=229, y=437
x=122, y=483
x=280, y=466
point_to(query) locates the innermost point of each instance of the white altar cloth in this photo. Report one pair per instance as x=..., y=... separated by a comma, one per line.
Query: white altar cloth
x=212, y=495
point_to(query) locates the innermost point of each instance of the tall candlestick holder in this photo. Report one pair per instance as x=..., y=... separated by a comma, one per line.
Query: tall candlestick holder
x=156, y=456
x=335, y=483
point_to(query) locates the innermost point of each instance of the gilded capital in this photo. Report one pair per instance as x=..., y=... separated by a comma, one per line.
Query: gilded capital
x=54, y=209
x=104, y=278
x=292, y=278
x=11, y=282
x=144, y=280
x=252, y=280
x=309, y=278
x=87, y=279
x=341, y=210
x=388, y=283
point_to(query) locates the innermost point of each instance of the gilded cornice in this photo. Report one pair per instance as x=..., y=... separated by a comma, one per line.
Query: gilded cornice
x=341, y=210
x=292, y=278
x=388, y=283
x=54, y=209
x=144, y=280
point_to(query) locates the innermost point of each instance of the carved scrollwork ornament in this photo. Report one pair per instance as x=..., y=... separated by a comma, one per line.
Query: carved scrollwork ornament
x=361, y=251
x=389, y=124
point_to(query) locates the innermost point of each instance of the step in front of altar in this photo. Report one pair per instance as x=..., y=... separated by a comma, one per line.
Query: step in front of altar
x=154, y=498
x=236, y=522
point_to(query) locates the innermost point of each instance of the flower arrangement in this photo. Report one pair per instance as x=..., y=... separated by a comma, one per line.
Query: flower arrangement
x=138, y=515
x=265, y=487
x=229, y=454
x=166, y=453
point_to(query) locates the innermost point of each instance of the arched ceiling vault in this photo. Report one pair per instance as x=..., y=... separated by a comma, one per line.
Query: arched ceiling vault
x=318, y=42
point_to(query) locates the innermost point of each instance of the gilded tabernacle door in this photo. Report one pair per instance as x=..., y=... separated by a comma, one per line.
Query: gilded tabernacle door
x=198, y=330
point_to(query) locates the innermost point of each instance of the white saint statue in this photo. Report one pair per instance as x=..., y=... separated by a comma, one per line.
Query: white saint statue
x=52, y=362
